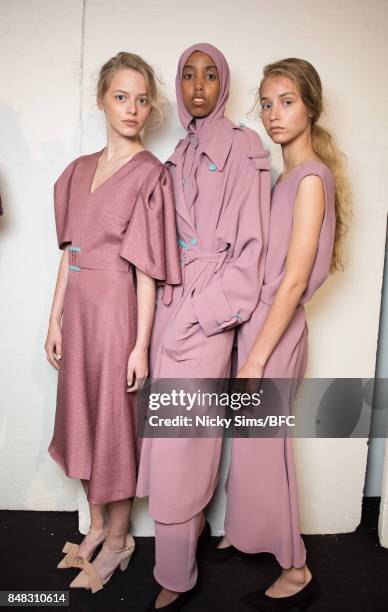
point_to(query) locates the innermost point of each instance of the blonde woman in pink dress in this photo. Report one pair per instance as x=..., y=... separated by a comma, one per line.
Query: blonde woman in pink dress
x=309, y=206
x=115, y=220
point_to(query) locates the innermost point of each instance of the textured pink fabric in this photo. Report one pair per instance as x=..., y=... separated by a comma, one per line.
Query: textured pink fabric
x=175, y=554
x=222, y=225
x=128, y=221
x=262, y=502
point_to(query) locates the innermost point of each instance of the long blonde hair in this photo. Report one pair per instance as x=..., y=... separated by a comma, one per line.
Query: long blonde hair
x=308, y=82
x=123, y=59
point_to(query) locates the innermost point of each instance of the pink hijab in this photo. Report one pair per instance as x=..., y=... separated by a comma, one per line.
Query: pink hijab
x=187, y=154
x=199, y=126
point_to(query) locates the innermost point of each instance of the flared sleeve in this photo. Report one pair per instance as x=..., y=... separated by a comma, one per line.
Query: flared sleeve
x=62, y=189
x=150, y=241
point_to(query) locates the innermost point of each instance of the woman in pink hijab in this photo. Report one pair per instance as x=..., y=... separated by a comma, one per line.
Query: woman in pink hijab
x=221, y=183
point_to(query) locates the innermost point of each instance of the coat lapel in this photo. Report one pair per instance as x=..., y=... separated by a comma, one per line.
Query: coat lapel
x=175, y=160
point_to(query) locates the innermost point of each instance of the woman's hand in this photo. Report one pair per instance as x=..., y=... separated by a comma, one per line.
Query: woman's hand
x=53, y=344
x=137, y=370
x=253, y=371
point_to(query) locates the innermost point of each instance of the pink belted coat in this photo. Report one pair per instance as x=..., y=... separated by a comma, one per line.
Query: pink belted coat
x=222, y=239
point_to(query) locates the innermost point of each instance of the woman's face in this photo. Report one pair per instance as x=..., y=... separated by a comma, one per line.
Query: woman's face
x=200, y=84
x=283, y=113
x=125, y=103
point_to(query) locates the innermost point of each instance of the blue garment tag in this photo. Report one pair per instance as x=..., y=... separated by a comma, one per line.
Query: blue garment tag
x=212, y=167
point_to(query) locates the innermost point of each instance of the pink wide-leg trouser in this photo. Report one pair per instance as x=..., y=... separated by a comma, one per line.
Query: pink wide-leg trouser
x=175, y=554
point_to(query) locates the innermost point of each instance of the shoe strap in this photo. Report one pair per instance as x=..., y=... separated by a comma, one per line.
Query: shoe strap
x=98, y=531
x=71, y=551
x=129, y=545
x=95, y=581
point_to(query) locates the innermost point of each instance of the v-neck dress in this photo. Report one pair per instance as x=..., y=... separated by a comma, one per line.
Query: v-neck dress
x=262, y=513
x=127, y=222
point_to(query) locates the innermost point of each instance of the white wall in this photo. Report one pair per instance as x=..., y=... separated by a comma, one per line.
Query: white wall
x=45, y=127
x=39, y=105
x=377, y=473
x=376, y=451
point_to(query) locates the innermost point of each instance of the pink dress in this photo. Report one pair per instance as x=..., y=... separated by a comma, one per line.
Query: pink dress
x=128, y=221
x=262, y=501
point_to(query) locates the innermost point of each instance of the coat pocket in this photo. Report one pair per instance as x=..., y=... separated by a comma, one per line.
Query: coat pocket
x=184, y=339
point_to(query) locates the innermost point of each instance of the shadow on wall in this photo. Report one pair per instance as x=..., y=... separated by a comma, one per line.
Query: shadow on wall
x=28, y=259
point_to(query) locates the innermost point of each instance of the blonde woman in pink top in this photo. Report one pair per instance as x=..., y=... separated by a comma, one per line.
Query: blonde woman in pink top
x=115, y=220
x=309, y=206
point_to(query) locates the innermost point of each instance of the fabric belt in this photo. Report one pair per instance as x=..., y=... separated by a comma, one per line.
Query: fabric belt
x=188, y=256
x=92, y=261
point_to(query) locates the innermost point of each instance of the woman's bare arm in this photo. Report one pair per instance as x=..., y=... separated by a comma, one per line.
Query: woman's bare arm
x=53, y=344
x=138, y=359
x=307, y=221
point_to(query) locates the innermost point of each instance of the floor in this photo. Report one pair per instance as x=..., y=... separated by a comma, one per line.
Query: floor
x=352, y=569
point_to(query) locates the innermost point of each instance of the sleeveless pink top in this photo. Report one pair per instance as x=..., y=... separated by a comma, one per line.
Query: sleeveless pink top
x=282, y=208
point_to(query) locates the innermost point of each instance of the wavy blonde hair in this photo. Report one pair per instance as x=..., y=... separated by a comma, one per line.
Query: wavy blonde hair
x=308, y=82
x=123, y=59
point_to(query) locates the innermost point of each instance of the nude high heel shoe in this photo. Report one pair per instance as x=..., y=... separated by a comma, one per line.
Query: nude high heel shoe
x=89, y=578
x=72, y=550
